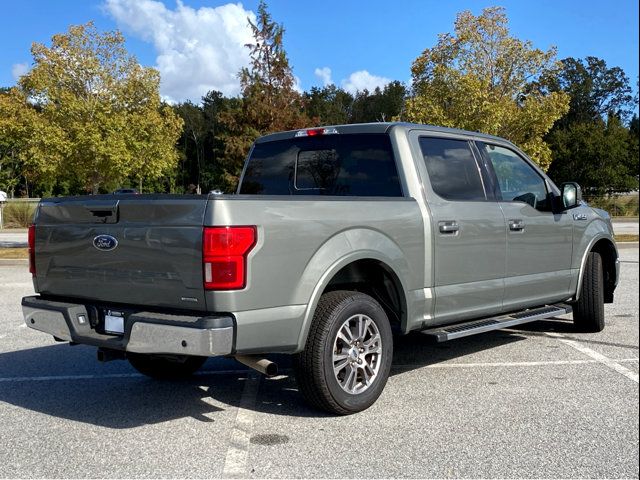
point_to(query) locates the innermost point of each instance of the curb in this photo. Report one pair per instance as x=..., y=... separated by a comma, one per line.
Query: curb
x=13, y=261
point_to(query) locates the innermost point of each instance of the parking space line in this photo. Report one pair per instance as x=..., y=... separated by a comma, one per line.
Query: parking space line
x=235, y=464
x=598, y=357
x=541, y=363
x=107, y=376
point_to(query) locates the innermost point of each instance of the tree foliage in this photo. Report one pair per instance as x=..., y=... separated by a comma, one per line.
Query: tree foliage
x=483, y=79
x=270, y=101
x=104, y=109
x=595, y=90
x=601, y=157
x=25, y=136
x=328, y=105
x=590, y=143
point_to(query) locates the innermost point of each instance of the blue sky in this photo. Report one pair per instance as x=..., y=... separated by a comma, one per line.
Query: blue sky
x=197, y=44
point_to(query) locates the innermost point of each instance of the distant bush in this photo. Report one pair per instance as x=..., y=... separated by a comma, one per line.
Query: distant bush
x=18, y=214
x=616, y=205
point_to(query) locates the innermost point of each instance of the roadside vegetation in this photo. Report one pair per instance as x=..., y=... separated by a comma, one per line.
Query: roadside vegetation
x=87, y=118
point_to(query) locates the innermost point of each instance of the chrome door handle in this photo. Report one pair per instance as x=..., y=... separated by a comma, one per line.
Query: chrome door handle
x=516, y=225
x=448, y=227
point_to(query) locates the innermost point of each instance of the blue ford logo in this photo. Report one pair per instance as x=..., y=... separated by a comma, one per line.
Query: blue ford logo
x=105, y=242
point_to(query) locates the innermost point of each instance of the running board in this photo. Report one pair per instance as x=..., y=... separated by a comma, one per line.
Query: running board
x=459, y=330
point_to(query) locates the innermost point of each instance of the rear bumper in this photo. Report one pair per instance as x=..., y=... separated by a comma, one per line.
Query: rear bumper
x=145, y=332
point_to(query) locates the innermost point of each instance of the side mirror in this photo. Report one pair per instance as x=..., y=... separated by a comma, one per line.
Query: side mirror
x=571, y=195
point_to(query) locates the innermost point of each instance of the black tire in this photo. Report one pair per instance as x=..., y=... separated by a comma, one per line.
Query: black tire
x=165, y=368
x=314, y=367
x=588, y=310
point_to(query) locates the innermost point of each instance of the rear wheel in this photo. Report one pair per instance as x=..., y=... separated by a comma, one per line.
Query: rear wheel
x=588, y=310
x=165, y=368
x=347, y=358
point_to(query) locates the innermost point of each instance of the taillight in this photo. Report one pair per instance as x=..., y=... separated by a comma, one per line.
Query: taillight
x=224, y=256
x=32, y=249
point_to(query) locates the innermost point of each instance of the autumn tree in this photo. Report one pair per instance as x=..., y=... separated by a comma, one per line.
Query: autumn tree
x=106, y=106
x=481, y=78
x=270, y=101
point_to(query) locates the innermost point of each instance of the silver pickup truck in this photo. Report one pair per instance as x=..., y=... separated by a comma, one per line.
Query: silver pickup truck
x=337, y=238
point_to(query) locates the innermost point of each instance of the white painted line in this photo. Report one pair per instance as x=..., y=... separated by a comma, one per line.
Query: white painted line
x=68, y=377
x=598, y=357
x=508, y=364
x=51, y=378
x=235, y=464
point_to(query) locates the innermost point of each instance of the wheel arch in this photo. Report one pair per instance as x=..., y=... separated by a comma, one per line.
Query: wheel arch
x=604, y=246
x=348, y=259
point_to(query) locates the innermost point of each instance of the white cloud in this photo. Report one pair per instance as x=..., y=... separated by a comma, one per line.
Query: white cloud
x=19, y=69
x=324, y=74
x=361, y=80
x=198, y=50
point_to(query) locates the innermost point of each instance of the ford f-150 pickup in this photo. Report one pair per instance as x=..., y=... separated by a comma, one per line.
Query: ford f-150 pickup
x=337, y=238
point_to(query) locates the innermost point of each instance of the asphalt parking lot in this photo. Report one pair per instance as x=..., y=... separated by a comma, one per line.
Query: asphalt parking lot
x=538, y=401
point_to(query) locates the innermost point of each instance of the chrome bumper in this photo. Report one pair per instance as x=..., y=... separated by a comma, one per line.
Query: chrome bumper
x=145, y=332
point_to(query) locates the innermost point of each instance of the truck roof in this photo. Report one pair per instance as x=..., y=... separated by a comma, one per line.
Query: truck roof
x=381, y=127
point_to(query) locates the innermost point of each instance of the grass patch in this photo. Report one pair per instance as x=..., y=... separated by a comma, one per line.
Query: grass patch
x=14, y=253
x=17, y=214
x=626, y=238
x=616, y=205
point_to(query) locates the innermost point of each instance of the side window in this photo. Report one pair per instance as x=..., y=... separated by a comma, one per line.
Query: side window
x=452, y=168
x=517, y=180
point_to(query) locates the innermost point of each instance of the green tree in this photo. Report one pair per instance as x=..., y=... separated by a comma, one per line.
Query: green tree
x=193, y=136
x=30, y=146
x=270, y=101
x=328, y=105
x=595, y=90
x=382, y=105
x=104, y=106
x=590, y=143
x=483, y=79
x=601, y=157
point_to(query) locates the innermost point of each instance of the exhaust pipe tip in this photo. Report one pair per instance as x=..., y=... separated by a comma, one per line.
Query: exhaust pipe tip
x=271, y=370
x=262, y=365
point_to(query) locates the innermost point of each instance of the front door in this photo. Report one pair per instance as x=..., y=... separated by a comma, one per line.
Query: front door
x=539, y=242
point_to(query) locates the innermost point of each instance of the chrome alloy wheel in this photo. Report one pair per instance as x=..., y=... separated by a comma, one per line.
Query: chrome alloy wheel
x=357, y=354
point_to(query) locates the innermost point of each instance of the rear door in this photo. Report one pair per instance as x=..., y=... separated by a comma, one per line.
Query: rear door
x=470, y=239
x=539, y=241
x=141, y=250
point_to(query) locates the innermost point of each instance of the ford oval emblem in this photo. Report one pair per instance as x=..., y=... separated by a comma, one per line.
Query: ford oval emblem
x=105, y=243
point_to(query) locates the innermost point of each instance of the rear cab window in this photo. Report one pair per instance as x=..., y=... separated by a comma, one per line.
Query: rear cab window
x=453, y=171
x=333, y=165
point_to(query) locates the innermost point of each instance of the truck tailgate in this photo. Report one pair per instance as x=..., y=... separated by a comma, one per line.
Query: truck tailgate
x=155, y=260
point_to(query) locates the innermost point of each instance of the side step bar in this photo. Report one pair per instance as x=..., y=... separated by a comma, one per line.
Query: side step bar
x=458, y=330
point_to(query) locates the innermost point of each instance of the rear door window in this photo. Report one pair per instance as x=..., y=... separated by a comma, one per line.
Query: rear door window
x=335, y=165
x=453, y=171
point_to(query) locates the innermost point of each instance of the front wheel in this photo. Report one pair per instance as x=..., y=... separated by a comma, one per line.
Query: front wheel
x=347, y=358
x=588, y=310
x=165, y=368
